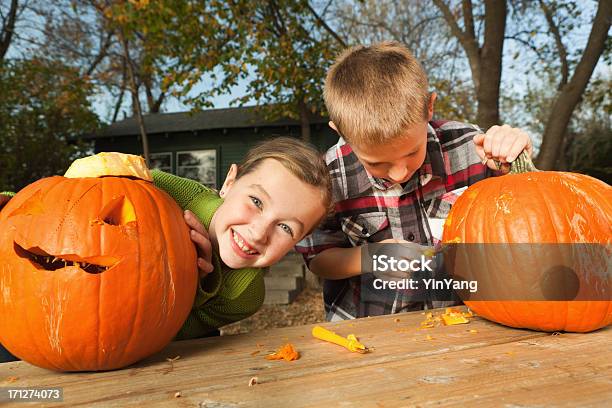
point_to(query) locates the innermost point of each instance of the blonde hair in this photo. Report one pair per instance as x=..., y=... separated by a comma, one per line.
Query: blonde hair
x=300, y=158
x=373, y=93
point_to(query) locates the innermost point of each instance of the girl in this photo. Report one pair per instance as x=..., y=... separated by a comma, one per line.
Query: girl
x=276, y=197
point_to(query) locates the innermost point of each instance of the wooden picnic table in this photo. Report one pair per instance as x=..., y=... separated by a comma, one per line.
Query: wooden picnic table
x=475, y=364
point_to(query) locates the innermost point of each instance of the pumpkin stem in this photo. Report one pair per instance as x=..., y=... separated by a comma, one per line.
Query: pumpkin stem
x=522, y=164
x=110, y=164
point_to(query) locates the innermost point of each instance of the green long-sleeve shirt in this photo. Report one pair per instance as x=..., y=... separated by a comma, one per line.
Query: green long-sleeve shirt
x=225, y=295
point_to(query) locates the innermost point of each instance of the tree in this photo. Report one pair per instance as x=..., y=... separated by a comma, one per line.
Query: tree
x=86, y=35
x=590, y=142
x=7, y=28
x=485, y=60
x=44, y=110
x=571, y=86
x=282, y=48
x=422, y=29
x=120, y=17
x=107, y=42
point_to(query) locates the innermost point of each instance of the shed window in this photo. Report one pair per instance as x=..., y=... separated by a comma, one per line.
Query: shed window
x=199, y=165
x=161, y=161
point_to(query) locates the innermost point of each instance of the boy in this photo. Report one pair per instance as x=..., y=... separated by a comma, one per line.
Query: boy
x=395, y=173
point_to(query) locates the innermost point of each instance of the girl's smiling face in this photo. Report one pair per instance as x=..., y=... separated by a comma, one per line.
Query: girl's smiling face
x=264, y=214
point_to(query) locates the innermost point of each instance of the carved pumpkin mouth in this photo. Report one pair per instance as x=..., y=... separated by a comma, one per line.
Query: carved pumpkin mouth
x=42, y=260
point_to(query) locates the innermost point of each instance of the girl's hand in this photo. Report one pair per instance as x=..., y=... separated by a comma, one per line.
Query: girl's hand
x=503, y=144
x=200, y=238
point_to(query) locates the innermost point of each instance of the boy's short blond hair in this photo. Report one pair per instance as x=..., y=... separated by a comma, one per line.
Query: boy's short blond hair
x=374, y=92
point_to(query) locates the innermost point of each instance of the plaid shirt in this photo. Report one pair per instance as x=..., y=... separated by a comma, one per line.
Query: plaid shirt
x=368, y=209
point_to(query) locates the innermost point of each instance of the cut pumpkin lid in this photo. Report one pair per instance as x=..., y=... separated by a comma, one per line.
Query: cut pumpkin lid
x=110, y=164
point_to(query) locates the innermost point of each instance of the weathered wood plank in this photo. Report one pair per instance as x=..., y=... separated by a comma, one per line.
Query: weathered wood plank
x=455, y=366
x=566, y=370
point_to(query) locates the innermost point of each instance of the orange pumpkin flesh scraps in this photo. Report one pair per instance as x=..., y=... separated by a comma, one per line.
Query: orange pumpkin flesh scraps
x=450, y=317
x=538, y=207
x=453, y=319
x=98, y=272
x=287, y=353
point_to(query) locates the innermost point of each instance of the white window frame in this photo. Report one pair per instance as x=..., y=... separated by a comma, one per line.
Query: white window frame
x=167, y=170
x=210, y=183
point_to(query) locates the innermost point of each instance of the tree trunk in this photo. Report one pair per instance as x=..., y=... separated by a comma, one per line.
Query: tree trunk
x=122, y=92
x=486, y=62
x=118, y=105
x=157, y=105
x=101, y=54
x=304, y=121
x=146, y=81
x=7, y=30
x=491, y=63
x=570, y=94
x=135, y=99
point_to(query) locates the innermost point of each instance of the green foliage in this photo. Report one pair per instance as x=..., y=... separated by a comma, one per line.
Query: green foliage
x=43, y=111
x=279, y=47
x=588, y=143
x=420, y=27
x=589, y=149
x=591, y=152
x=455, y=100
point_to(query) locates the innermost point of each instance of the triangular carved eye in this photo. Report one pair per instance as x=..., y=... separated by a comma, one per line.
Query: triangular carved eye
x=32, y=206
x=119, y=211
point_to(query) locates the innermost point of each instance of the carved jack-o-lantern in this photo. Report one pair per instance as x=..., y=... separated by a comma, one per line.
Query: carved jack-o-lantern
x=95, y=272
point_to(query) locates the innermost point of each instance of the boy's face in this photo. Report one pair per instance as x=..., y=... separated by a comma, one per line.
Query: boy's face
x=264, y=214
x=398, y=160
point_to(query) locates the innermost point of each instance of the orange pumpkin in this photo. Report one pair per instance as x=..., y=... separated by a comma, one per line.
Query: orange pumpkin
x=530, y=206
x=97, y=272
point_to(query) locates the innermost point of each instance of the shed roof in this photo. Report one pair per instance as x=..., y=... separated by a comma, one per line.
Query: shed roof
x=242, y=117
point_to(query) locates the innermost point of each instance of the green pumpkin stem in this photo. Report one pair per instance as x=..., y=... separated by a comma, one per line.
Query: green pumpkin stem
x=521, y=164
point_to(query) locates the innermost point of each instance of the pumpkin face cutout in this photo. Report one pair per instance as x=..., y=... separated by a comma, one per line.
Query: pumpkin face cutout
x=96, y=274
x=539, y=207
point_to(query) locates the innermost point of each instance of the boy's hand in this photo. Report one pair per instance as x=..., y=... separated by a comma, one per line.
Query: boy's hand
x=3, y=200
x=502, y=143
x=394, y=241
x=199, y=236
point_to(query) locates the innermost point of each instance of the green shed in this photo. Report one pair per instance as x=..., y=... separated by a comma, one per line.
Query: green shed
x=202, y=145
